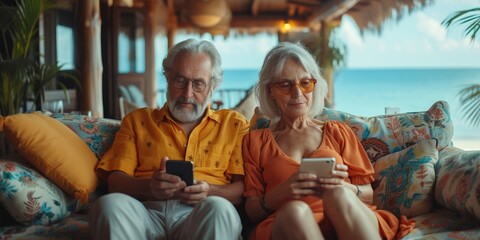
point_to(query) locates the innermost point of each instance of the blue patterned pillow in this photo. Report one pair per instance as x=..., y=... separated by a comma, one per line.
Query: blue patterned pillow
x=29, y=197
x=404, y=180
x=458, y=181
x=381, y=135
x=97, y=133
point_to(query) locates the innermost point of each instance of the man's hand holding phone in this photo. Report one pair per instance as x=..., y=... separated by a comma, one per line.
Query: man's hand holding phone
x=194, y=192
x=163, y=185
x=182, y=169
x=174, y=178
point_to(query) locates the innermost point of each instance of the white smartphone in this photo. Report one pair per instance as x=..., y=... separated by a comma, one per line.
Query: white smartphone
x=322, y=167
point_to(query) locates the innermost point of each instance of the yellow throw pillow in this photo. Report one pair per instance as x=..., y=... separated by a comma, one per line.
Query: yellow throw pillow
x=55, y=150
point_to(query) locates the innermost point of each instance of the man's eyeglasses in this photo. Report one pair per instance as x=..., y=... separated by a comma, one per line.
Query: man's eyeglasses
x=180, y=82
x=285, y=87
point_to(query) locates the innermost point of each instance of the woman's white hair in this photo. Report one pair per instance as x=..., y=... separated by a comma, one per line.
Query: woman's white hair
x=196, y=46
x=272, y=68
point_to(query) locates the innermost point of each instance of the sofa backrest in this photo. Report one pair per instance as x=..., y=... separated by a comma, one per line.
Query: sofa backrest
x=97, y=133
x=384, y=134
x=379, y=135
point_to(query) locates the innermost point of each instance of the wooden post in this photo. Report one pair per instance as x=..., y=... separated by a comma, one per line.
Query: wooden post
x=89, y=57
x=171, y=23
x=151, y=27
x=326, y=68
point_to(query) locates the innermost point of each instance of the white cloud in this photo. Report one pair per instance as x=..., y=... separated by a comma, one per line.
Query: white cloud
x=382, y=46
x=245, y=51
x=350, y=34
x=431, y=27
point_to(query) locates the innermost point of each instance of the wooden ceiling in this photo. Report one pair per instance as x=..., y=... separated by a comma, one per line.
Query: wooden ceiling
x=252, y=16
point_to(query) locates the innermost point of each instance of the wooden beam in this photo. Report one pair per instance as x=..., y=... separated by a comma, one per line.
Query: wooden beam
x=309, y=3
x=255, y=7
x=172, y=23
x=331, y=10
x=239, y=21
x=265, y=21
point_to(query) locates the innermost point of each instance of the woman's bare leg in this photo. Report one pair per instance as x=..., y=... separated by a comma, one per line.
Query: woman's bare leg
x=295, y=221
x=351, y=218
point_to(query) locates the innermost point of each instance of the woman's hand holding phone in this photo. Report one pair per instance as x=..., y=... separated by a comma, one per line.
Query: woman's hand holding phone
x=322, y=167
x=329, y=174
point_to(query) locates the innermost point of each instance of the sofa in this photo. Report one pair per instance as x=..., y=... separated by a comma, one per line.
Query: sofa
x=419, y=172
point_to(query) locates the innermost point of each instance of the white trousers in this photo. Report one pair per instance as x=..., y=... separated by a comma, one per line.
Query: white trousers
x=119, y=216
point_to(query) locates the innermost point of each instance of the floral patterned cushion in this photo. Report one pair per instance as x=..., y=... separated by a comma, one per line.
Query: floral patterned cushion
x=444, y=224
x=458, y=181
x=31, y=198
x=73, y=227
x=381, y=135
x=98, y=133
x=404, y=180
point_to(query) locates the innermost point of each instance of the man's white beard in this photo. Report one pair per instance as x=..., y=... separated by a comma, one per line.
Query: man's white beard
x=186, y=115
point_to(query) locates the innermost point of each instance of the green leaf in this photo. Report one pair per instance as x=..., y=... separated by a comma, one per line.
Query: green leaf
x=469, y=17
x=470, y=104
x=22, y=78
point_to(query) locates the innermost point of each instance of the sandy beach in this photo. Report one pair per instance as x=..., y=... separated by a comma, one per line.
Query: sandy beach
x=467, y=144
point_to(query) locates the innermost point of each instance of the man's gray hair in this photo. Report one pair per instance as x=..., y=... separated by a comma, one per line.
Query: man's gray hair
x=272, y=68
x=196, y=46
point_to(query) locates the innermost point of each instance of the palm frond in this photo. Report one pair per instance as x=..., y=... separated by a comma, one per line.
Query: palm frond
x=42, y=75
x=469, y=17
x=7, y=15
x=14, y=82
x=470, y=104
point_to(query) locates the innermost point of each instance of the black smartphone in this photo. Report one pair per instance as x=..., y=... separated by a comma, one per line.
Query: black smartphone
x=183, y=169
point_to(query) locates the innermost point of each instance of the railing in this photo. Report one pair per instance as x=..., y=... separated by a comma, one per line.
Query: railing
x=222, y=98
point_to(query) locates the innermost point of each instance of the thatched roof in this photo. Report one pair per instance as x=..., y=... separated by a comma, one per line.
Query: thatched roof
x=371, y=15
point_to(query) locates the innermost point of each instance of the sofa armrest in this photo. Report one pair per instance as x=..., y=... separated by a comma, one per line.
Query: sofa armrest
x=458, y=180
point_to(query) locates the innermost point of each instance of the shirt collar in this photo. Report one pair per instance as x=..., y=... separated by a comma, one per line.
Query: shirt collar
x=164, y=114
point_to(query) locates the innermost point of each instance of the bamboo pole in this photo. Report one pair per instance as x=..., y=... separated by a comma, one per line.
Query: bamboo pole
x=90, y=58
x=326, y=68
x=152, y=12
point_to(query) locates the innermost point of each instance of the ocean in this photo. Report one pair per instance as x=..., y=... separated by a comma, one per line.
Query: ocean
x=366, y=92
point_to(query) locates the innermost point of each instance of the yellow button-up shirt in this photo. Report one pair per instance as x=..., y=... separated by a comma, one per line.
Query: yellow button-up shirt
x=146, y=135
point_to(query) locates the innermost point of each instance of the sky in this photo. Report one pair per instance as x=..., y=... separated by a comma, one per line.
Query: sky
x=418, y=40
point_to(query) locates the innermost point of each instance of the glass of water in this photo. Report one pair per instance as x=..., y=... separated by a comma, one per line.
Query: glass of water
x=53, y=106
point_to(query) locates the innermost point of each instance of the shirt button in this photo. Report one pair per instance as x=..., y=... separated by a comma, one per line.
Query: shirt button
x=184, y=145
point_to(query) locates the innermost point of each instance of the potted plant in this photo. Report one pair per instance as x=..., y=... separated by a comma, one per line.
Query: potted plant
x=22, y=77
x=470, y=95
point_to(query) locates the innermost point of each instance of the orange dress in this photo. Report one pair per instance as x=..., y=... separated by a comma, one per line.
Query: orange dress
x=266, y=166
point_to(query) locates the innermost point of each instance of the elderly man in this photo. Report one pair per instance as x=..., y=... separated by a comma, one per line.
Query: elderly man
x=145, y=202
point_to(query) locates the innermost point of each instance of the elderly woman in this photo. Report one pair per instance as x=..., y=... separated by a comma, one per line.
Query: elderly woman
x=298, y=205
